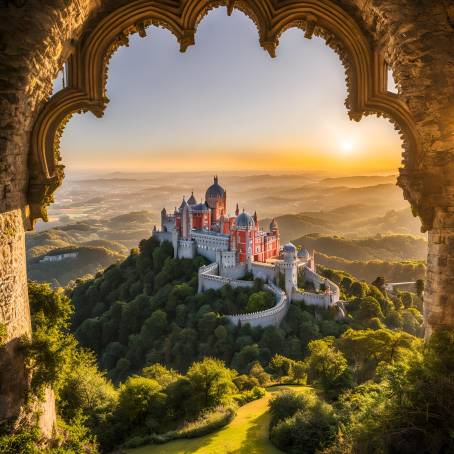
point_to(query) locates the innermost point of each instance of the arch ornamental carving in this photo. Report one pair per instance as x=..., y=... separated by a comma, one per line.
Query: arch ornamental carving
x=365, y=68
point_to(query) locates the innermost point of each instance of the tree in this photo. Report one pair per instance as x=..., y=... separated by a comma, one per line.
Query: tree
x=301, y=423
x=153, y=327
x=138, y=397
x=259, y=301
x=369, y=308
x=86, y=389
x=163, y=375
x=366, y=349
x=327, y=367
x=358, y=289
x=211, y=382
x=379, y=282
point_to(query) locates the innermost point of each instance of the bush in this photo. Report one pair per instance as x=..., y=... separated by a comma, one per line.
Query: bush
x=287, y=403
x=307, y=429
x=248, y=396
x=208, y=422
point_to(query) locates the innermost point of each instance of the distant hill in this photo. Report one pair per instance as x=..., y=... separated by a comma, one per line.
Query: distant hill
x=100, y=242
x=354, y=220
x=369, y=270
x=380, y=247
x=89, y=260
x=359, y=181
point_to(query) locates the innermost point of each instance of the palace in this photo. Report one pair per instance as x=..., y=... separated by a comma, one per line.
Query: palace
x=237, y=246
x=207, y=229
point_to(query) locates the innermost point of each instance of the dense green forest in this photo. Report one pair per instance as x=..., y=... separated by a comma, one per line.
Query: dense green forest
x=146, y=310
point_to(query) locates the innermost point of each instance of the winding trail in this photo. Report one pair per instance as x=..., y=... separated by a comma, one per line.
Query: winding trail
x=246, y=434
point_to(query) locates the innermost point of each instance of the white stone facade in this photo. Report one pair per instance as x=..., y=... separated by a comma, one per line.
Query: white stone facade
x=59, y=257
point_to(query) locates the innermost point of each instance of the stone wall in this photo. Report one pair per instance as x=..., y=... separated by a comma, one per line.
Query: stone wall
x=14, y=313
x=268, y=317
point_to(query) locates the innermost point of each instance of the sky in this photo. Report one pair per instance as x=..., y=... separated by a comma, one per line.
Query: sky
x=225, y=105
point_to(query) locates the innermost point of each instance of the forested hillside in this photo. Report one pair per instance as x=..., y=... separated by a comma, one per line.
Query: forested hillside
x=146, y=310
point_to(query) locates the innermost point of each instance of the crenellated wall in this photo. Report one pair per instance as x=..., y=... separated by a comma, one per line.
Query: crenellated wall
x=268, y=317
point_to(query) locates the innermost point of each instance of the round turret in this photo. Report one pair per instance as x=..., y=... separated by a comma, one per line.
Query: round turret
x=245, y=221
x=289, y=248
x=303, y=253
x=273, y=225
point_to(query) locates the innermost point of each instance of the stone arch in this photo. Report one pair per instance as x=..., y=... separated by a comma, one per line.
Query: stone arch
x=365, y=68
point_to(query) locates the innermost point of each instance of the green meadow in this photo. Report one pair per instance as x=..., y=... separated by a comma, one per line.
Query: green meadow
x=247, y=433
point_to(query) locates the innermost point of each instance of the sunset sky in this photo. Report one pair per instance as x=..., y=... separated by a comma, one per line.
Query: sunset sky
x=226, y=105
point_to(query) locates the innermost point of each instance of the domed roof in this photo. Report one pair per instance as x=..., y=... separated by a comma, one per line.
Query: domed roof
x=215, y=191
x=192, y=200
x=245, y=221
x=303, y=253
x=289, y=248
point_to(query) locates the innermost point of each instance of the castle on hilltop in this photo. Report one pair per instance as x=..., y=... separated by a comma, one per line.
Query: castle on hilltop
x=236, y=246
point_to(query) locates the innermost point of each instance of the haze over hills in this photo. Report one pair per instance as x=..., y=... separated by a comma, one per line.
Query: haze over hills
x=113, y=212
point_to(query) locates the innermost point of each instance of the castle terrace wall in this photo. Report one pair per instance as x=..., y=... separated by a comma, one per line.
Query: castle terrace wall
x=317, y=281
x=268, y=317
x=163, y=236
x=264, y=271
x=313, y=299
x=186, y=249
x=233, y=272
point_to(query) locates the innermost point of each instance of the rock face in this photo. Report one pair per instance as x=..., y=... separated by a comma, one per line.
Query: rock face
x=416, y=39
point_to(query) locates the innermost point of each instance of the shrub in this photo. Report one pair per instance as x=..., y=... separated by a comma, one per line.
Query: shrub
x=286, y=403
x=248, y=396
x=309, y=429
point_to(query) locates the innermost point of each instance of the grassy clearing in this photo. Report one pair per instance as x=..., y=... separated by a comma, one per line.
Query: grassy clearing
x=247, y=433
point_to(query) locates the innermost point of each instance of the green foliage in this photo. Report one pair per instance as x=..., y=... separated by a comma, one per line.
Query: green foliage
x=50, y=351
x=85, y=390
x=327, y=367
x=207, y=422
x=139, y=397
x=211, y=383
x=301, y=424
x=260, y=301
x=23, y=441
x=249, y=395
x=3, y=334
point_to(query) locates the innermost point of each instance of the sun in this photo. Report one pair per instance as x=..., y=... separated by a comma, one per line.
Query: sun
x=347, y=146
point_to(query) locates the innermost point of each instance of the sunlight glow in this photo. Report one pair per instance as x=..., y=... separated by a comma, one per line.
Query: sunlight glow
x=347, y=146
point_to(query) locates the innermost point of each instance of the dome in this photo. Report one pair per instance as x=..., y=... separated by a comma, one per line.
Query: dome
x=192, y=200
x=245, y=221
x=215, y=191
x=289, y=248
x=303, y=253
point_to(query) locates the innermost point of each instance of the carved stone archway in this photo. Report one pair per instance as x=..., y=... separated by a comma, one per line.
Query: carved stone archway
x=365, y=67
